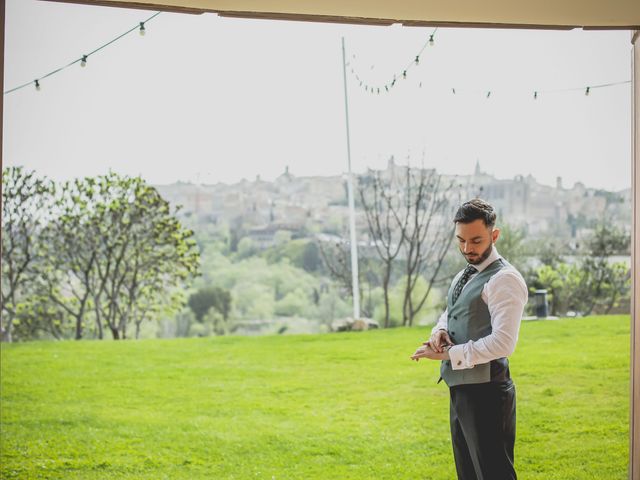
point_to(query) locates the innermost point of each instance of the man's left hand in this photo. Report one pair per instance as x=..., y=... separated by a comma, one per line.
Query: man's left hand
x=426, y=351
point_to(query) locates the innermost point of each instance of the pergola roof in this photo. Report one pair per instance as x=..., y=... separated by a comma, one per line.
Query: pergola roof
x=551, y=14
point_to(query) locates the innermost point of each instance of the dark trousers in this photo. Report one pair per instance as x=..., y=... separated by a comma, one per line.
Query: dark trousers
x=483, y=430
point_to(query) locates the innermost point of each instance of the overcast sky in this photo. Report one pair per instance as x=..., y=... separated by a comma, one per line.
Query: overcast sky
x=214, y=99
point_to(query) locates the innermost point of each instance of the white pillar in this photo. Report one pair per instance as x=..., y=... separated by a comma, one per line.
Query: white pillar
x=355, y=287
x=634, y=421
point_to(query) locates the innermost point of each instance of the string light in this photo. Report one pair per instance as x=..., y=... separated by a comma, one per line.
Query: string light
x=140, y=26
x=413, y=63
x=486, y=93
x=142, y=30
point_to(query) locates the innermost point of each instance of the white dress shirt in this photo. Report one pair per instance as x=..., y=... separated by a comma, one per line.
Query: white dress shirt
x=505, y=295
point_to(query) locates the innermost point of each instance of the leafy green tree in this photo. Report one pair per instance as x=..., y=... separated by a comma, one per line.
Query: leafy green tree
x=292, y=304
x=116, y=248
x=70, y=244
x=26, y=201
x=246, y=248
x=311, y=260
x=202, y=301
x=145, y=251
x=594, y=283
x=604, y=282
x=511, y=245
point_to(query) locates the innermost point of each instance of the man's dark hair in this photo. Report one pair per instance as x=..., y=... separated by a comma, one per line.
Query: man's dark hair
x=476, y=209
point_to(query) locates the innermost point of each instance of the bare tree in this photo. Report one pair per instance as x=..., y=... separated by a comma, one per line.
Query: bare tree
x=337, y=260
x=384, y=210
x=430, y=201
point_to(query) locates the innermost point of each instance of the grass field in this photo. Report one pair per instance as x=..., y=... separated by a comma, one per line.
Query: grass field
x=335, y=406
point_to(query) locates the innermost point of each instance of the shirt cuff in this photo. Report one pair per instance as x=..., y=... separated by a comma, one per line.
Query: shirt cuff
x=456, y=355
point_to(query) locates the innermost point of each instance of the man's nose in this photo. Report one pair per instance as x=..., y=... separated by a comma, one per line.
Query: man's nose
x=467, y=248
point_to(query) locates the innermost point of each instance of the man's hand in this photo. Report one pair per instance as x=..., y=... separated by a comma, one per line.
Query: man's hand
x=439, y=340
x=427, y=351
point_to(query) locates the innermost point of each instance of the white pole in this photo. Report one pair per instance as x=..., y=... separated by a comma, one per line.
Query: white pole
x=352, y=213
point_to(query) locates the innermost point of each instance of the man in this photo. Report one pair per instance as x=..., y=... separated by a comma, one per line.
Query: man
x=472, y=338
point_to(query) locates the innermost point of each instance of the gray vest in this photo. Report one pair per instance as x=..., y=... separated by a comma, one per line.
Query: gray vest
x=469, y=319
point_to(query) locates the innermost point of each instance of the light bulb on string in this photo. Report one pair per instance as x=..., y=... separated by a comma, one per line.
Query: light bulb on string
x=431, y=41
x=142, y=31
x=535, y=95
x=83, y=62
x=37, y=85
x=404, y=74
x=586, y=92
x=488, y=93
x=417, y=59
x=453, y=90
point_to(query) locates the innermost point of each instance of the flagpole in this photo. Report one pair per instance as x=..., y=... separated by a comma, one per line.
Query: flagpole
x=352, y=214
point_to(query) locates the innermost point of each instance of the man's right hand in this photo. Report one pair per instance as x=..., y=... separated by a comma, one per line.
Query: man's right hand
x=440, y=339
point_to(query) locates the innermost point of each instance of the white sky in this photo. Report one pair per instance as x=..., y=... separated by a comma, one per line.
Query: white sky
x=214, y=99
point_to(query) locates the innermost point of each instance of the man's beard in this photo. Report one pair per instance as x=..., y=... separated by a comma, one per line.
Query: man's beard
x=481, y=258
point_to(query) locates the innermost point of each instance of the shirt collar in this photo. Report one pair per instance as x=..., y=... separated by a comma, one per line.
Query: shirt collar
x=493, y=256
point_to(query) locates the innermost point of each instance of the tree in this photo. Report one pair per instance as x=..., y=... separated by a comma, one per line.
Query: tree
x=117, y=250
x=311, y=260
x=511, y=245
x=207, y=298
x=144, y=253
x=427, y=231
x=604, y=282
x=25, y=206
x=70, y=248
x=594, y=283
x=336, y=257
x=384, y=210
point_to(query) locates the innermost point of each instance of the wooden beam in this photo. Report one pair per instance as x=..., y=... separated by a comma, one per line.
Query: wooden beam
x=621, y=14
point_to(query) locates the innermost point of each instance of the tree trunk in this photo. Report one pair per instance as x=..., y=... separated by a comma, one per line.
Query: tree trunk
x=7, y=329
x=385, y=287
x=115, y=333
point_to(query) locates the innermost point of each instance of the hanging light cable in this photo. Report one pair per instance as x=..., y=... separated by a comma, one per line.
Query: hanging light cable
x=83, y=59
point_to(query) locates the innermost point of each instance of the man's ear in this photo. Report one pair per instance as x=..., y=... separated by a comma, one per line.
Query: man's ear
x=495, y=235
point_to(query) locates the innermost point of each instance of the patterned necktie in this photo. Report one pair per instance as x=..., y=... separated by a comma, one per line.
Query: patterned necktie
x=464, y=278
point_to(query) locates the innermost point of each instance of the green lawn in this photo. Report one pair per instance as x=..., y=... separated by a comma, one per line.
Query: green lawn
x=335, y=406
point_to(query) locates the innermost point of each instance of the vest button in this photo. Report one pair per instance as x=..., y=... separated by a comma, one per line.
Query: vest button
x=453, y=334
